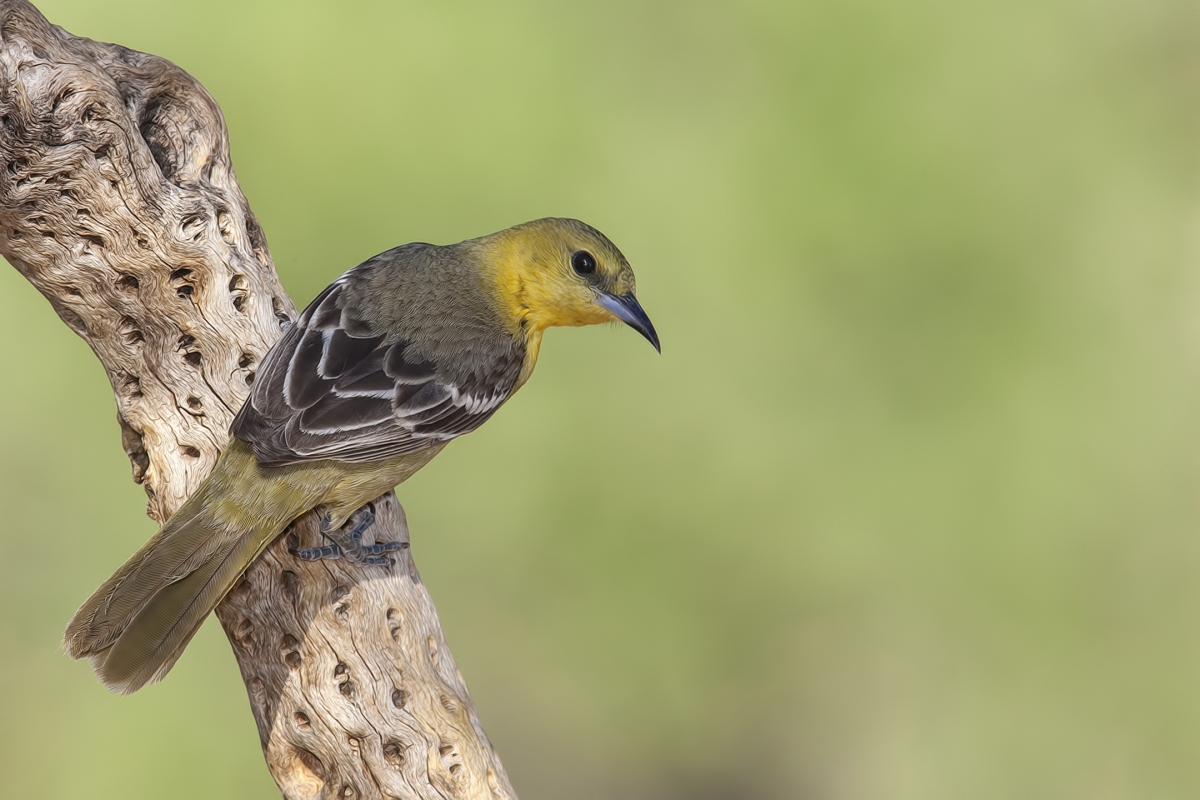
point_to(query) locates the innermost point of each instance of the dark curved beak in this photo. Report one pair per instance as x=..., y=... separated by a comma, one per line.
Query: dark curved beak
x=626, y=308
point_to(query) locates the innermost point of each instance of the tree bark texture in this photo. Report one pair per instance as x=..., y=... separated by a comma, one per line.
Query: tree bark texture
x=119, y=203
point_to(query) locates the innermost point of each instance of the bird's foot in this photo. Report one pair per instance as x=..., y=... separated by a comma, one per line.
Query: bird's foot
x=348, y=544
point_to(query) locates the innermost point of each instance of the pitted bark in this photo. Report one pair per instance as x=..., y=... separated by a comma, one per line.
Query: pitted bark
x=118, y=201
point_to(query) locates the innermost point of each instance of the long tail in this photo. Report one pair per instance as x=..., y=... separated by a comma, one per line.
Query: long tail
x=135, y=626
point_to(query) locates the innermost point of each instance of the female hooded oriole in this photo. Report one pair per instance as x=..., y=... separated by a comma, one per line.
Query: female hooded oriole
x=410, y=349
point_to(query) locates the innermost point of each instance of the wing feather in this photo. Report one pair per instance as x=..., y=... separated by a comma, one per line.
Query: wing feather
x=336, y=387
x=343, y=351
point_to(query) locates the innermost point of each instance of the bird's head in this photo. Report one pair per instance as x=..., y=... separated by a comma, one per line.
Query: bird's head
x=562, y=272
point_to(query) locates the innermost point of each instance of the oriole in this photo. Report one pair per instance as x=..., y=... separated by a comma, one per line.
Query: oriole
x=410, y=349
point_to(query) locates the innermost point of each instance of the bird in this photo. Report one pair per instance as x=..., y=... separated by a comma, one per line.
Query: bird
x=405, y=352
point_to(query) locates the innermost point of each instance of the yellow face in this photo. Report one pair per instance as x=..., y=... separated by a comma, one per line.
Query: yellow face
x=553, y=272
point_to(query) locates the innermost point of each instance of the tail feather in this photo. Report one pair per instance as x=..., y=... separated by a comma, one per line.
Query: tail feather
x=106, y=614
x=156, y=635
x=137, y=624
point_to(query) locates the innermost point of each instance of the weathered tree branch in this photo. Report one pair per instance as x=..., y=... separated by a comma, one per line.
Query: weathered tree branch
x=119, y=203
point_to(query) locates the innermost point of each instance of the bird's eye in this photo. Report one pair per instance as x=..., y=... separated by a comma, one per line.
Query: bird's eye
x=583, y=262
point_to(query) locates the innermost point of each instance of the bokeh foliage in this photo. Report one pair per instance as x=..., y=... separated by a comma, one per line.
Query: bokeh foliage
x=907, y=507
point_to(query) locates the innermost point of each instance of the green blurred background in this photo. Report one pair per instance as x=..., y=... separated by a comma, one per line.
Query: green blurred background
x=906, y=509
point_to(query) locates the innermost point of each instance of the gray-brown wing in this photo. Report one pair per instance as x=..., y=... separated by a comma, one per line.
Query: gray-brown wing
x=336, y=388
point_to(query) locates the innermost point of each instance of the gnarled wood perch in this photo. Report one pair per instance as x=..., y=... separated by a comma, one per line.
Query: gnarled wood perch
x=119, y=203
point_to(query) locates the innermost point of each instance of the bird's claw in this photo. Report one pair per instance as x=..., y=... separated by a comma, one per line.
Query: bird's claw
x=348, y=544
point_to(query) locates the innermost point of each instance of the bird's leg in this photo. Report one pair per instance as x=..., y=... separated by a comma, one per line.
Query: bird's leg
x=348, y=544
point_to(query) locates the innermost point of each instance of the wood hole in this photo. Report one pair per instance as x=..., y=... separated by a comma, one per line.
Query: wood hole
x=311, y=762
x=393, y=753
